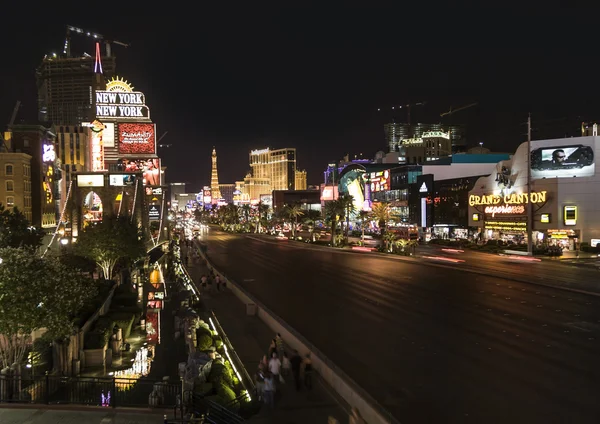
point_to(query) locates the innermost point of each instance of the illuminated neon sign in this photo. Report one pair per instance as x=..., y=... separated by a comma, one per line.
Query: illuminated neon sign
x=505, y=209
x=119, y=101
x=259, y=152
x=509, y=199
x=436, y=134
x=97, y=146
x=48, y=155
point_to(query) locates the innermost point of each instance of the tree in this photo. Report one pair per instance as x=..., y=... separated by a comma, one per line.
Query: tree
x=310, y=219
x=382, y=213
x=16, y=231
x=110, y=241
x=262, y=210
x=364, y=216
x=37, y=293
x=293, y=212
x=347, y=202
x=333, y=210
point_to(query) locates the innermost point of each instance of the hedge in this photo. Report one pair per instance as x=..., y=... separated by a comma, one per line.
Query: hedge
x=204, y=341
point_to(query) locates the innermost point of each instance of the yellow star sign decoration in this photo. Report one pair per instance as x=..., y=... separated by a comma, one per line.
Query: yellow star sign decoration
x=119, y=85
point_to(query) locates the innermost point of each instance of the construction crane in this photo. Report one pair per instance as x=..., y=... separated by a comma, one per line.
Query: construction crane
x=98, y=37
x=161, y=137
x=408, y=107
x=452, y=111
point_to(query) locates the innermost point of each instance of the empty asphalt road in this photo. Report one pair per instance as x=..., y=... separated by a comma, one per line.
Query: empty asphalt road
x=436, y=344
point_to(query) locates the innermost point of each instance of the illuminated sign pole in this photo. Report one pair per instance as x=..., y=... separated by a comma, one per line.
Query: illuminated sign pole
x=529, y=204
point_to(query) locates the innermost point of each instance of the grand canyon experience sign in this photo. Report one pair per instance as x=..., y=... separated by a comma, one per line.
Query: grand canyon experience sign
x=120, y=105
x=513, y=204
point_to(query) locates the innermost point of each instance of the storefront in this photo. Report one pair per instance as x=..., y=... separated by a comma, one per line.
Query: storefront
x=563, y=196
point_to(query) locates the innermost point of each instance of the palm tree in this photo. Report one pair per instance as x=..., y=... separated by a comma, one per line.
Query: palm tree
x=262, y=210
x=382, y=213
x=293, y=212
x=310, y=219
x=245, y=210
x=333, y=210
x=364, y=216
x=347, y=201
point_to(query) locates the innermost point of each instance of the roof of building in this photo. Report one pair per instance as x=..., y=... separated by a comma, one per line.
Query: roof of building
x=479, y=158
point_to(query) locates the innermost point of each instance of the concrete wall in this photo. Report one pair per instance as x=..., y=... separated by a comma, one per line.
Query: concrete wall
x=371, y=411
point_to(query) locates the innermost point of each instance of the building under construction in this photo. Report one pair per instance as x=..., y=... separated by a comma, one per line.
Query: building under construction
x=65, y=82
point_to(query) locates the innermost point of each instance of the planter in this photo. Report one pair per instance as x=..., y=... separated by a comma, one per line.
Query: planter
x=95, y=357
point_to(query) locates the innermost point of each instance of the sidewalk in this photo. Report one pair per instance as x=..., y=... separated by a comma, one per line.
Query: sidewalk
x=19, y=415
x=251, y=338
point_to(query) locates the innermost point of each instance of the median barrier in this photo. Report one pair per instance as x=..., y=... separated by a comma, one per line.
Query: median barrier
x=371, y=411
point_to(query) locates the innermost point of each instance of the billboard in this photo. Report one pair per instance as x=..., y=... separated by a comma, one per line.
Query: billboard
x=120, y=180
x=136, y=138
x=329, y=193
x=154, y=212
x=150, y=169
x=380, y=181
x=566, y=161
x=90, y=180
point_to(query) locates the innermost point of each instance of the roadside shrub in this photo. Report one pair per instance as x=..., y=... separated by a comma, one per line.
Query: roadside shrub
x=228, y=396
x=205, y=341
x=218, y=341
x=220, y=374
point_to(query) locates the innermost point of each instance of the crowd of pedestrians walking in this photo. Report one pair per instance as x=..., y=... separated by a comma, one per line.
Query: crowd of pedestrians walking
x=276, y=367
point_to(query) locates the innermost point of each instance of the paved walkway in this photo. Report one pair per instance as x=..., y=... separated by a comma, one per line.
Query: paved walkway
x=251, y=338
x=20, y=415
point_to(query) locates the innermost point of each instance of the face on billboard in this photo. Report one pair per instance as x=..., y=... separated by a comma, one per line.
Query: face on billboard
x=136, y=138
x=562, y=161
x=150, y=169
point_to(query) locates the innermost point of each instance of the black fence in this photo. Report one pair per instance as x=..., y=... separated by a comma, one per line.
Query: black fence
x=93, y=391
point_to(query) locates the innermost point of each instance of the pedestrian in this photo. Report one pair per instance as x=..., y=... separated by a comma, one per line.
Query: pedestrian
x=285, y=365
x=355, y=417
x=259, y=378
x=265, y=362
x=203, y=282
x=308, y=370
x=218, y=282
x=279, y=344
x=272, y=348
x=275, y=368
x=296, y=363
x=269, y=390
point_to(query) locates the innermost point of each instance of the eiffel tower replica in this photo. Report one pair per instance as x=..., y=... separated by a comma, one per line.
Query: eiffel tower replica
x=214, y=179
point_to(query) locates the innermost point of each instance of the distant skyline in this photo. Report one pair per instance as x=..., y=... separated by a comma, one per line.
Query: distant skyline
x=315, y=83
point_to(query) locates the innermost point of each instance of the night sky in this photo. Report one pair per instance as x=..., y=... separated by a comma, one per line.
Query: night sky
x=313, y=80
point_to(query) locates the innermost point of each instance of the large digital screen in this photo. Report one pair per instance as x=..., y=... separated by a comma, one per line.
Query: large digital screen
x=136, y=138
x=150, y=169
x=120, y=180
x=380, y=181
x=576, y=160
x=90, y=180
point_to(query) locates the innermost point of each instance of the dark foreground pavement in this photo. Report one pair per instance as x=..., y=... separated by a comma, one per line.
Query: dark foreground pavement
x=250, y=338
x=437, y=344
x=20, y=415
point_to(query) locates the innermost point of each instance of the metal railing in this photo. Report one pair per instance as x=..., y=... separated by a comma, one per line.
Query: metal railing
x=91, y=391
x=247, y=381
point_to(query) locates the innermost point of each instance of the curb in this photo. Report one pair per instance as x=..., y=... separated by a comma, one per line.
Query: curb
x=413, y=259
